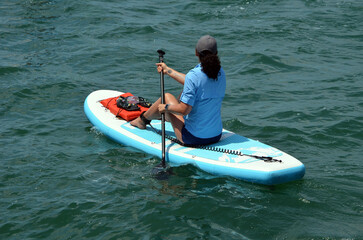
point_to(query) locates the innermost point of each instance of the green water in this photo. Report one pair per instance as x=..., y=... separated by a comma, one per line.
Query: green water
x=294, y=73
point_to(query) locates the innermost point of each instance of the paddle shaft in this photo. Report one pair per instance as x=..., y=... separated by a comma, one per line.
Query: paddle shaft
x=162, y=93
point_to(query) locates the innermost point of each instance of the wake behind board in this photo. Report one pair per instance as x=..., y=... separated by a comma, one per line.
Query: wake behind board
x=283, y=168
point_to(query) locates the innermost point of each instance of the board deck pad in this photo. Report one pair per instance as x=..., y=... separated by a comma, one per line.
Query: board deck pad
x=220, y=163
x=229, y=141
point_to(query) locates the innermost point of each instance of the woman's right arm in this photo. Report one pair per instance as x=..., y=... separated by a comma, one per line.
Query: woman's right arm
x=179, y=77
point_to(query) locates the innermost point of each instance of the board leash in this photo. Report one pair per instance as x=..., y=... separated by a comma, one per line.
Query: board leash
x=215, y=149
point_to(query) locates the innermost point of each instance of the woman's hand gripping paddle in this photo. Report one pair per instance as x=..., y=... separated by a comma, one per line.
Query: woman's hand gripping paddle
x=160, y=170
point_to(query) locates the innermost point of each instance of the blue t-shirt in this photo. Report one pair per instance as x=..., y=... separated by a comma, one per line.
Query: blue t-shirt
x=205, y=95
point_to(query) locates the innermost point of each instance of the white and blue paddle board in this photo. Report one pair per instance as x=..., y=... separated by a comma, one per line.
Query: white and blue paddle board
x=284, y=168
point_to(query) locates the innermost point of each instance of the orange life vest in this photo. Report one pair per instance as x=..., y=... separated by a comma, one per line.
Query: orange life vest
x=111, y=104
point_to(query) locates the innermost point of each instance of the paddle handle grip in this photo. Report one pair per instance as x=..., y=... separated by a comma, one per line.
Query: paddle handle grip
x=161, y=55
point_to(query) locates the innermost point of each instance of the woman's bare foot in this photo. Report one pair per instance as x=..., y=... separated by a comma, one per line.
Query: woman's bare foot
x=138, y=123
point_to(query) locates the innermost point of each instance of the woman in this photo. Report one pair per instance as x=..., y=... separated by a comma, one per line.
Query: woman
x=196, y=116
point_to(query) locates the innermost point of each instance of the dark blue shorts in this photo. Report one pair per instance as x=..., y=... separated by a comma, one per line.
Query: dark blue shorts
x=190, y=139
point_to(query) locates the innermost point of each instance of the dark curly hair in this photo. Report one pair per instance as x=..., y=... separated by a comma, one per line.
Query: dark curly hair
x=210, y=64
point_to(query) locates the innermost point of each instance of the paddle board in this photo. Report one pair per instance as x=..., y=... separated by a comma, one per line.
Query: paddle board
x=283, y=168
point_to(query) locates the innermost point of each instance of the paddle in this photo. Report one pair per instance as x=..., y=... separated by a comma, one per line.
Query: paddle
x=160, y=170
x=162, y=93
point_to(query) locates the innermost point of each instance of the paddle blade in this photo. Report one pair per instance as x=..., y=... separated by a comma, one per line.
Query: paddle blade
x=161, y=172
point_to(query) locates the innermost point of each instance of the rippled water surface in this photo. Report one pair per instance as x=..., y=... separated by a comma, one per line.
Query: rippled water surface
x=294, y=72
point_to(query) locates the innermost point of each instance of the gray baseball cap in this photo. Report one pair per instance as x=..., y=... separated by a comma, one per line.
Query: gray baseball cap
x=208, y=43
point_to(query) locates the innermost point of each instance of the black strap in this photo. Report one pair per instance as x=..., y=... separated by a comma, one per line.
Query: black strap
x=118, y=112
x=144, y=119
x=109, y=102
